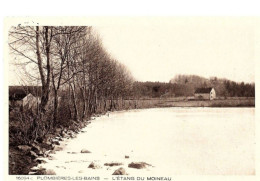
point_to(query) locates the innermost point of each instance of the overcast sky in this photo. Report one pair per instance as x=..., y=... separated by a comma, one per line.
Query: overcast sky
x=158, y=50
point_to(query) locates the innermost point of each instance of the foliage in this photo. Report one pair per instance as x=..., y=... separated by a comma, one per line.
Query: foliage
x=185, y=85
x=27, y=127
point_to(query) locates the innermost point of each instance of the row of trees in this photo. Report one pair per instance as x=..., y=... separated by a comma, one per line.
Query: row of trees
x=185, y=85
x=73, y=68
x=242, y=89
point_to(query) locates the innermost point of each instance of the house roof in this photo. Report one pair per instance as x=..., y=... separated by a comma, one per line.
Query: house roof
x=203, y=90
x=19, y=92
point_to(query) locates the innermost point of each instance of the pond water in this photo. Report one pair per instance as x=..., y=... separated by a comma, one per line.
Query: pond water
x=175, y=141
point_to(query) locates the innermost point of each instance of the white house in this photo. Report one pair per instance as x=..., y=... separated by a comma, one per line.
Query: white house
x=24, y=96
x=205, y=93
x=30, y=101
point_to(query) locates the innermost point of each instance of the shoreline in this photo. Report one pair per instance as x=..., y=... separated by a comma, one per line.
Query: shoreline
x=27, y=159
x=104, y=127
x=38, y=152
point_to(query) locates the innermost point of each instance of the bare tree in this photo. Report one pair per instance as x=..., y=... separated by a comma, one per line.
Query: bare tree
x=74, y=60
x=67, y=41
x=33, y=44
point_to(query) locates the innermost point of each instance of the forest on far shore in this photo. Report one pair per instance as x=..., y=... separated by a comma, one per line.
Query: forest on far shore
x=185, y=85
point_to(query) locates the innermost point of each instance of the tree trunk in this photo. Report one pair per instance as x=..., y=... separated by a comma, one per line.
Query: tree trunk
x=55, y=109
x=75, y=116
x=45, y=81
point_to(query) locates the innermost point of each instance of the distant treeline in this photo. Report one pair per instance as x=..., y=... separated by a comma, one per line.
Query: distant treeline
x=185, y=85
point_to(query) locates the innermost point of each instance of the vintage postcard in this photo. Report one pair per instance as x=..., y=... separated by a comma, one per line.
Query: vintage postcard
x=141, y=98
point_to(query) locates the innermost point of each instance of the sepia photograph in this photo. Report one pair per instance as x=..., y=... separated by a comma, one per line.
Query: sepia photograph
x=145, y=98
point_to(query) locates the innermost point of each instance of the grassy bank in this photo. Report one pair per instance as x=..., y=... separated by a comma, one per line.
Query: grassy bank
x=183, y=102
x=24, y=154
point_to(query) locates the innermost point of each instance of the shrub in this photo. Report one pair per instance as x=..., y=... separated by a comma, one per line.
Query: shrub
x=25, y=126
